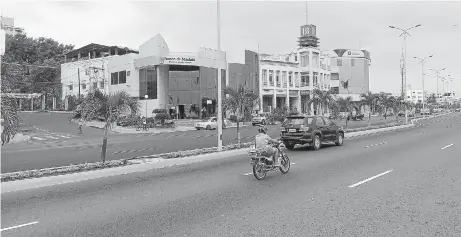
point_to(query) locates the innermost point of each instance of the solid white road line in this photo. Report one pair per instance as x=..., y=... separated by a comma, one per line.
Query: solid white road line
x=19, y=226
x=369, y=179
x=447, y=146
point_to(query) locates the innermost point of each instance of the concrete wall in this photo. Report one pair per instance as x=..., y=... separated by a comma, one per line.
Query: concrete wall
x=358, y=75
x=69, y=75
x=125, y=63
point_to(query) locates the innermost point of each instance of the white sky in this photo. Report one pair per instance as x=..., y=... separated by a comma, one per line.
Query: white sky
x=188, y=25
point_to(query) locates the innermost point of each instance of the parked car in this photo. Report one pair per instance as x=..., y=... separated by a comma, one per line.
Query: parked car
x=356, y=117
x=210, y=123
x=310, y=130
x=259, y=119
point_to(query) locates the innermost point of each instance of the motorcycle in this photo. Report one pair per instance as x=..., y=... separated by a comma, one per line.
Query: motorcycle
x=261, y=164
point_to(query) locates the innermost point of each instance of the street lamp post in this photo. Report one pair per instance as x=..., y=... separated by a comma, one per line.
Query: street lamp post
x=404, y=86
x=437, y=73
x=423, y=61
x=219, y=79
x=146, y=97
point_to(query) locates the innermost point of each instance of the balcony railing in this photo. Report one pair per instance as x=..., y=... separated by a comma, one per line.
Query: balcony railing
x=285, y=85
x=278, y=84
x=304, y=84
x=264, y=83
x=271, y=83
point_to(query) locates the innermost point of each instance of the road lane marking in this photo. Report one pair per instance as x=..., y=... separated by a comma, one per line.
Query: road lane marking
x=248, y=174
x=445, y=147
x=377, y=144
x=19, y=226
x=369, y=179
x=38, y=138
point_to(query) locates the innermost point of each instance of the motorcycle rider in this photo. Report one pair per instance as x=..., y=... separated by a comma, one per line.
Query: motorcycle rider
x=264, y=145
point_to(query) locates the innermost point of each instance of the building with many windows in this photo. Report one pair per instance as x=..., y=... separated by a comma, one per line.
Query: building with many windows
x=289, y=79
x=415, y=96
x=182, y=82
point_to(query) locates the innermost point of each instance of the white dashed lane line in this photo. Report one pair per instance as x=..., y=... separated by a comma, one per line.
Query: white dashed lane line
x=377, y=144
x=369, y=179
x=445, y=147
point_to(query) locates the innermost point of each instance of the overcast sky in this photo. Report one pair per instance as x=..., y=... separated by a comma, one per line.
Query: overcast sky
x=188, y=25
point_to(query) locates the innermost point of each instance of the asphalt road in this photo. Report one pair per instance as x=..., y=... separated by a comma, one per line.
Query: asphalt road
x=403, y=183
x=87, y=148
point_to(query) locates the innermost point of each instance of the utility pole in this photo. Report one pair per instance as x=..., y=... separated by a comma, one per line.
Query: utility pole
x=404, y=86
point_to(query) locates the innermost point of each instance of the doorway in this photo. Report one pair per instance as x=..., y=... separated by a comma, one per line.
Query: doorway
x=182, y=114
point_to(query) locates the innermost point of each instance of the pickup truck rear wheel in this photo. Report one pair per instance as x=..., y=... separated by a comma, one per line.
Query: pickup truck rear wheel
x=317, y=142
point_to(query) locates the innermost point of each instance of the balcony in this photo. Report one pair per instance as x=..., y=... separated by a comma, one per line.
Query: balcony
x=304, y=84
x=264, y=83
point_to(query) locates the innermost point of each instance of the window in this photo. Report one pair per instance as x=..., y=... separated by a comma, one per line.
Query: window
x=148, y=83
x=122, y=77
x=114, y=78
x=271, y=79
x=327, y=121
x=319, y=121
x=264, y=77
x=287, y=59
x=127, y=73
x=339, y=62
x=290, y=80
x=71, y=87
x=83, y=85
x=284, y=79
x=352, y=62
x=101, y=84
x=296, y=58
x=277, y=78
x=304, y=60
x=95, y=85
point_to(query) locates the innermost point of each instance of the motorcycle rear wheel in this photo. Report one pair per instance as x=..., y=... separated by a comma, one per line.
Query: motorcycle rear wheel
x=285, y=164
x=258, y=171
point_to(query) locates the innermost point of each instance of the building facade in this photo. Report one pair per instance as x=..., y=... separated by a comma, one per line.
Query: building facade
x=289, y=79
x=415, y=96
x=182, y=82
x=350, y=72
x=7, y=24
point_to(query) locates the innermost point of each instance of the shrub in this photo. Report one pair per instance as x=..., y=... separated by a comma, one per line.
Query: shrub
x=162, y=117
x=160, y=111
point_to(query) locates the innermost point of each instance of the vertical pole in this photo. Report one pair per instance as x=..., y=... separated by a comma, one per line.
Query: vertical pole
x=405, y=73
x=219, y=79
x=424, y=94
x=306, y=14
x=78, y=72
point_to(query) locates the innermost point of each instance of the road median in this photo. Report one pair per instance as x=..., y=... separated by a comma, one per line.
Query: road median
x=174, y=156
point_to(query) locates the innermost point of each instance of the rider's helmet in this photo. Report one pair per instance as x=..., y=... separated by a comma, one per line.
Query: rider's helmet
x=262, y=129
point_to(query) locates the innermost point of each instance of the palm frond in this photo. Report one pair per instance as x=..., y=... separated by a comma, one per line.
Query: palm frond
x=10, y=117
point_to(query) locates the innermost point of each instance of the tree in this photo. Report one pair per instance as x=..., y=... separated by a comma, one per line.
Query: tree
x=369, y=99
x=110, y=107
x=345, y=104
x=10, y=119
x=320, y=99
x=385, y=102
x=239, y=101
x=25, y=64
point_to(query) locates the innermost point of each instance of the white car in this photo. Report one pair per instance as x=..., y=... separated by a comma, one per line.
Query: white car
x=210, y=123
x=259, y=119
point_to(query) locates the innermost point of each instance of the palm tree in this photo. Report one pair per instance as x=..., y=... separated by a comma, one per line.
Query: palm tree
x=10, y=119
x=109, y=106
x=345, y=104
x=239, y=101
x=385, y=102
x=368, y=99
x=326, y=97
x=317, y=98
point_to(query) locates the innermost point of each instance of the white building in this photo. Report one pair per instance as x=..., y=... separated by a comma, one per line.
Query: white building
x=7, y=24
x=289, y=79
x=415, y=96
x=178, y=81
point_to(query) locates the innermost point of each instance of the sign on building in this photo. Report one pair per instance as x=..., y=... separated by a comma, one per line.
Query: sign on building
x=178, y=60
x=308, y=30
